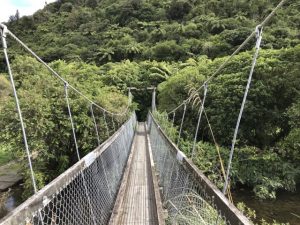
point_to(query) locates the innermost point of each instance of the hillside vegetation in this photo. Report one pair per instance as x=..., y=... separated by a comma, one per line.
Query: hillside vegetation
x=99, y=31
x=106, y=46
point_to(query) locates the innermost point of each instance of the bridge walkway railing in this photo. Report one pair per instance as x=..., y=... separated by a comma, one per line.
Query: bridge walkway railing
x=187, y=194
x=86, y=192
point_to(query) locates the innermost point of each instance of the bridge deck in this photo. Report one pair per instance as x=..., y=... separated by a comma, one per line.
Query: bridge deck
x=138, y=205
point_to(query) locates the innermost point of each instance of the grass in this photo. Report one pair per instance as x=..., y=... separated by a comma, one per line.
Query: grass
x=6, y=155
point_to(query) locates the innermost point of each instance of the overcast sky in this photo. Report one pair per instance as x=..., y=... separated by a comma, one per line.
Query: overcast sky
x=25, y=7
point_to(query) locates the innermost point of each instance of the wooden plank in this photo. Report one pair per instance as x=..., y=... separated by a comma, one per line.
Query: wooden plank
x=138, y=206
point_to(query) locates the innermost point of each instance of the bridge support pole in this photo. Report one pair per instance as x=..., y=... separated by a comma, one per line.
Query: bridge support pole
x=153, y=105
x=129, y=96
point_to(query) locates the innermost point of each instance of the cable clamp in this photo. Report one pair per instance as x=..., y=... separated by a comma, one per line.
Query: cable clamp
x=258, y=31
x=66, y=84
x=3, y=33
x=4, y=29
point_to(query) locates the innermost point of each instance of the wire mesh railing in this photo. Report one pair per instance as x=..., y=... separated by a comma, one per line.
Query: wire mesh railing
x=85, y=193
x=189, y=197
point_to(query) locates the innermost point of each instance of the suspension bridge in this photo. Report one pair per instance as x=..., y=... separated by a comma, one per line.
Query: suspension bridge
x=138, y=176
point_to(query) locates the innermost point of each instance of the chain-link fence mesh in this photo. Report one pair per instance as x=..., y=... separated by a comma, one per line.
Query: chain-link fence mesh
x=84, y=194
x=189, y=197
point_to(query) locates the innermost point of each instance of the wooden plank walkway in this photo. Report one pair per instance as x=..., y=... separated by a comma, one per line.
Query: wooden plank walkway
x=137, y=205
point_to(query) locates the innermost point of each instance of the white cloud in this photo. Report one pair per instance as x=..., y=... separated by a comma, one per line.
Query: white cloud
x=25, y=7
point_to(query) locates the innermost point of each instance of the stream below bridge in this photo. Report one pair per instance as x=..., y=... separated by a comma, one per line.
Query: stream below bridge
x=285, y=208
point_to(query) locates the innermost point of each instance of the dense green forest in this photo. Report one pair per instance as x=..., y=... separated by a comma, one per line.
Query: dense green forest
x=101, y=31
x=103, y=47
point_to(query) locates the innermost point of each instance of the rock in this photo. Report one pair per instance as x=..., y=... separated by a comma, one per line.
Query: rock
x=10, y=174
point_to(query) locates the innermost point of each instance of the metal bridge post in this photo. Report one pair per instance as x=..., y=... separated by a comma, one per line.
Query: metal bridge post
x=153, y=106
x=129, y=96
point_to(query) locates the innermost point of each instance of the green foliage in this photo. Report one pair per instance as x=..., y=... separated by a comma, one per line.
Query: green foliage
x=4, y=87
x=265, y=119
x=6, y=154
x=251, y=214
x=246, y=211
x=66, y=7
x=289, y=147
x=265, y=170
x=267, y=152
x=174, y=44
x=167, y=50
x=46, y=116
x=155, y=30
x=178, y=9
x=166, y=125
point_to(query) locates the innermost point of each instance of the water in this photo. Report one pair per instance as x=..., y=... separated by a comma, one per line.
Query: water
x=285, y=208
x=12, y=201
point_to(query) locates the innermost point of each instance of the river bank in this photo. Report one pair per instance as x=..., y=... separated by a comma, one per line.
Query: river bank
x=285, y=208
x=11, y=188
x=10, y=175
x=12, y=198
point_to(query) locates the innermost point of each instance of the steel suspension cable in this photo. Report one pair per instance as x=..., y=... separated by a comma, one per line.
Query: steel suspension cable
x=199, y=119
x=113, y=123
x=173, y=118
x=77, y=150
x=246, y=41
x=257, y=48
x=99, y=142
x=105, y=123
x=181, y=124
x=71, y=119
x=4, y=45
x=219, y=154
x=95, y=124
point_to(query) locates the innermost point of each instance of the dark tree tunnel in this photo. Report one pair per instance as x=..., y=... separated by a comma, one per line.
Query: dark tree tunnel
x=143, y=98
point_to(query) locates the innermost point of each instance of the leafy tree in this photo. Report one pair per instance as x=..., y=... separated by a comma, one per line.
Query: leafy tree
x=45, y=115
x=178, y=9
x=166, y=50
x=66, y=7
x=150, y=43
